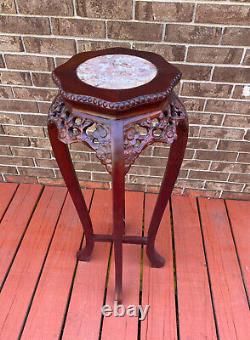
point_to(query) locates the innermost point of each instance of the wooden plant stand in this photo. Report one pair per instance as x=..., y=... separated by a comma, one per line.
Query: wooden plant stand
x=118, y=101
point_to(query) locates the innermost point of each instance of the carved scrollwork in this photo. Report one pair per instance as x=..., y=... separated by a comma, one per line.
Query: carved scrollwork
x=161, y=128
x=76, y=129
x=137, y=135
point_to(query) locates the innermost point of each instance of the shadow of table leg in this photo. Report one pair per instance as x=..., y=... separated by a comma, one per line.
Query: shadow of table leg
x=66, y=167
x=175, y=159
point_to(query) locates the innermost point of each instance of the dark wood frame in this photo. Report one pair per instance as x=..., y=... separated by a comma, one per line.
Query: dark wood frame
x=117, y=145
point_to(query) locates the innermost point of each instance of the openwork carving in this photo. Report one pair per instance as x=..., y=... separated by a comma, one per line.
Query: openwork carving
x=75, y=129
x=137, y=135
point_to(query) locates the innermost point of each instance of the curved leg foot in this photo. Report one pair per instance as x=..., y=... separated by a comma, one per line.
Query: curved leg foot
x=176, y=155
x=66, y=167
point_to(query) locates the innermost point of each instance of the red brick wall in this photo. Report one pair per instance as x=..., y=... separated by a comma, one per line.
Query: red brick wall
x=208, y=40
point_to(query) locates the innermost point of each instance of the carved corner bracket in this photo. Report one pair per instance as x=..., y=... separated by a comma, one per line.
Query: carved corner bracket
x=137, y=135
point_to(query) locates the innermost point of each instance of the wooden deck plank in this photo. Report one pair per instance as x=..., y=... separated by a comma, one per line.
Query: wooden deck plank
x=55, y=282
x=14, y=223
x=7, y=191
x=127, y=326
x=19, y=287
x=195, y=310
x=239, y=214
x=84, y=313
x=158, y=283
x=229, y=296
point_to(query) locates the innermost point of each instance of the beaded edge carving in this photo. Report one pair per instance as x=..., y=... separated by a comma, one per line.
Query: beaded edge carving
x=115, y=106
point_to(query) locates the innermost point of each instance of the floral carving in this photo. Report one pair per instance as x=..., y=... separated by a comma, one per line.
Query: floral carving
x=75, y=129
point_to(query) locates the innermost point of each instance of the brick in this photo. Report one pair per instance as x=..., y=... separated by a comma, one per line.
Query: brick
x=246, y=60
x=232, y=74
x=194, y=72
x=7, y=6
x=201, y=143
x=17, y=141
x=227, y=106
x=20, y=130
x=11, y=44
x=160, y=11
x=8, y=169
x=30, y=152
x=193, y=104
x=205, y=118
x=230, y=167
x=44, y=7
x=18, y=105
x=24, y=25
x=34, y=94
x=10, y=118
x=239, y=92
x=221, y=132
x=43, y=107
x=83, y=175
x=37, y=120
x=169, y=52
x=134, y=31
x=206, y=90
x=196, y=184
x=192, y=34
x=16, y=161
x=59, y=61
x=100, y=177
x=247, y=190
x=42, y=80
x=5, y=92
x=87, y=166
x=240, y=178
x=216, y=155
x=247, y=136
x=215, y=55
x=36, y=172
x=139, y=170
x=207, y=175
x=236, y=36
x=195, y=164
x=21, y=179
x=145, y=180
x=2, y=65
x=88, y=45
x=78, y=27
x=15, y=78
x=49, y=45
x=223, y=186
x=193, y=131
x=28, y=62
x=5, y=150
x=40, y=143
x=237, y=121
x=80, y=156
x=161, y=151
x=112, y=9
x=234, y=145
x=223, y=14
x=244, y=158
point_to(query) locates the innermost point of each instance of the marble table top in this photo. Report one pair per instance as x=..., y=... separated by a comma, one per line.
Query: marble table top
x=116, y=71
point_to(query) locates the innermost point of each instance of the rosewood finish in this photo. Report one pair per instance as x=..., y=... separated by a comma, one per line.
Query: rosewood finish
x=118, y=124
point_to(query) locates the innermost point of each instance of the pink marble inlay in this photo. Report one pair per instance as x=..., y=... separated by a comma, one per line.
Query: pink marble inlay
x=116, y=71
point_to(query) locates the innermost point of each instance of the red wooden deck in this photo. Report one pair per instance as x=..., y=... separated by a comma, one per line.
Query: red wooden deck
x=201, y=293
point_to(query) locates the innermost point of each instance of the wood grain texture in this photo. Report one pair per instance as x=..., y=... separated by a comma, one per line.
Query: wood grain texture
x=20, y=284
x=14, y=223
x=230, y=302
x=195, y=309
x=55, y=282
x=7, y=191
x=158, y=283
x=84, y=318
x=239, y=214
x=127, y=326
